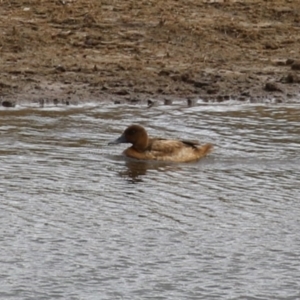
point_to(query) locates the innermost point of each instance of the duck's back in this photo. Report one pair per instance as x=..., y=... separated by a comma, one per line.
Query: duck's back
x=171, y=150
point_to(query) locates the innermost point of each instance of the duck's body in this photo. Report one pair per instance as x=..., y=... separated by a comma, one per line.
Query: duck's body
x=145, y=148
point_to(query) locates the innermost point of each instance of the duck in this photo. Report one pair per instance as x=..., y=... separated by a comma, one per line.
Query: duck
x=148, y=148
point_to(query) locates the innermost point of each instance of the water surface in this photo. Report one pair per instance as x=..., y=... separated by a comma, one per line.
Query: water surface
x=78, y=221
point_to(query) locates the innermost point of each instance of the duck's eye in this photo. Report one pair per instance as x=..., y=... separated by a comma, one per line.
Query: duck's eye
x=130, y=131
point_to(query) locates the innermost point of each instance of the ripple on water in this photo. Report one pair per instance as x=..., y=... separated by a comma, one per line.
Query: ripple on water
x=81, y=222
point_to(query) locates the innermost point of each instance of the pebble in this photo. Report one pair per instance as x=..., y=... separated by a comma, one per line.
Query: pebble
x=8, y=103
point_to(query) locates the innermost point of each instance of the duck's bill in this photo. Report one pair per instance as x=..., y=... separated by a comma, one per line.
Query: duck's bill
x=119, y=140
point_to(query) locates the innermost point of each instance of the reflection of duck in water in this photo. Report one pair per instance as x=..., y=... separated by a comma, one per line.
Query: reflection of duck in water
x=135, y=170
x=146, y=148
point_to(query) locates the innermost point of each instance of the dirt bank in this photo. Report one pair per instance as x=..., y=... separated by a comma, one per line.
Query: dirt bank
x=75, y=50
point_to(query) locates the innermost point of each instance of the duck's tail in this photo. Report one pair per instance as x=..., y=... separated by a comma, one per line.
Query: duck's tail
x=205, y=149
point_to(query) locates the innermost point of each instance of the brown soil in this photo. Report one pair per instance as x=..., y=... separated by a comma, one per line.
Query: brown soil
x=134, y=50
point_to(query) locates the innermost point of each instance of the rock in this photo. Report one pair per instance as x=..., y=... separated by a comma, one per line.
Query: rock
x=204, y=98
x=134, y=100
x=282, y=10
x=175, y=77
x=200, y=84
x=8, y=103
x=212, y=91
x=292, y=78
x=289, y=61
x=220, y=98
x=42, y=102
x=164, y=73
x=167, y=102
x=241, y=98
x=271, y=46
x=292, y=95
x=280, y=62
x=191, y=102
x=185, y=77
x=60, y=68
x=151, y=103
x=278, y=99
x=122, y=92
x=296, y=65
x=273, y=87
x=246, y=94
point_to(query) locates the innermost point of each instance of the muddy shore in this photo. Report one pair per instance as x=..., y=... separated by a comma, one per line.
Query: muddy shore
x=133, y=51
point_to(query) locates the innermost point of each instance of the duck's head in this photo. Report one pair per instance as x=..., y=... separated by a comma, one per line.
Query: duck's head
x=135, y=135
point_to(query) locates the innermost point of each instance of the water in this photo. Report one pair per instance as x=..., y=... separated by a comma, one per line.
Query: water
x=78, y=221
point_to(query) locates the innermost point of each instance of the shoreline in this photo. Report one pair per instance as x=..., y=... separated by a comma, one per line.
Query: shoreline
x=133, y=51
